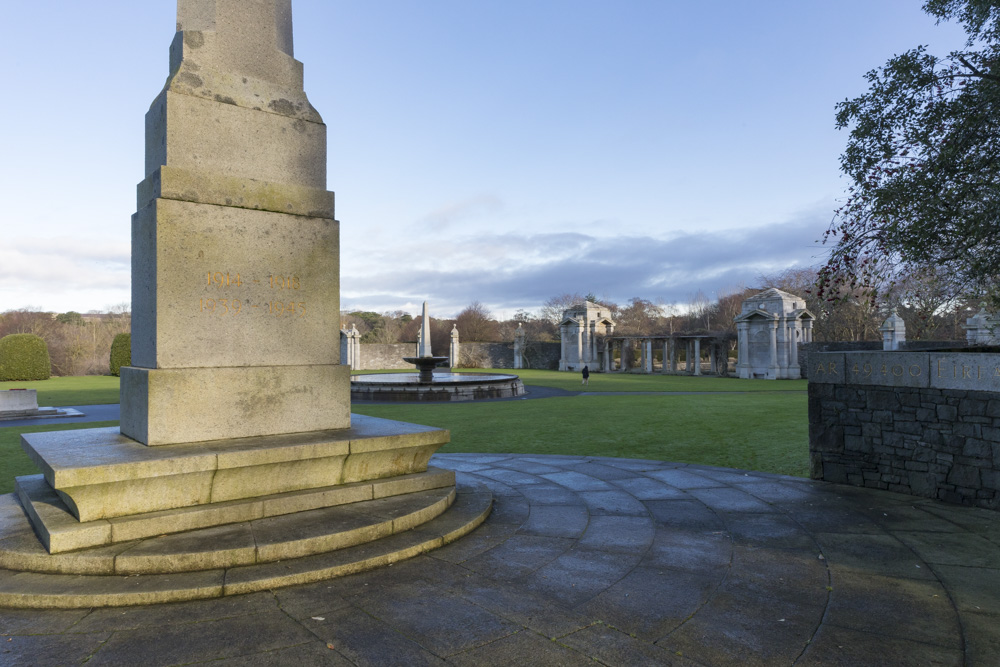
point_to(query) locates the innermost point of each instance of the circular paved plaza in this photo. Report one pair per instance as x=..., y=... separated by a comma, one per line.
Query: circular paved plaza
x=617, y=561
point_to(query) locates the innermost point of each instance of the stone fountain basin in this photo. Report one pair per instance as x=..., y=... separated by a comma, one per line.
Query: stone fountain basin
x=407, y=387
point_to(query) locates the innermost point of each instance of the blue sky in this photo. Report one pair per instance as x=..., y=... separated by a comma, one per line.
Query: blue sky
x=502, y=152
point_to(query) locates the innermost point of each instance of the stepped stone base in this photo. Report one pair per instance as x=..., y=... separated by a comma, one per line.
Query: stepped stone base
x=111, y=521
x=312, y=545
x=101, y=474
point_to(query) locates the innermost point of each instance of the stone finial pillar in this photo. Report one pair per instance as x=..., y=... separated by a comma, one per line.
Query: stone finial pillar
x=355, y=338
x=697, y=356
x=563, y=347
x=453, y=349
x=893, y=331
x=519, y=346
x=226, y=302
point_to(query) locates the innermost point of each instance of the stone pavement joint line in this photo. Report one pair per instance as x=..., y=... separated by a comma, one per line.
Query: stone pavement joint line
x=617, y=561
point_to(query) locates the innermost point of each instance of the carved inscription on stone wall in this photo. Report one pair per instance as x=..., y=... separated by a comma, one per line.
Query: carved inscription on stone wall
x=942, y=370
x=233, y=295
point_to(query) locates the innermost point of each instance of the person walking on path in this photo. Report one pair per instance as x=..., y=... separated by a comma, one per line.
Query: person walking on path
x=586, y=375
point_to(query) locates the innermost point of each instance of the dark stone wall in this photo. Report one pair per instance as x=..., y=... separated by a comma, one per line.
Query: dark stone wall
x=925, y=441
x=544, y=356
x=380, y=356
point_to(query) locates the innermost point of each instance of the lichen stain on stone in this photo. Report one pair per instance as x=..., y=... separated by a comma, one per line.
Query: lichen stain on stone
x=225, y=100
x=299, y=126
x=194, y=39
x=188, y=79
x=282, y=106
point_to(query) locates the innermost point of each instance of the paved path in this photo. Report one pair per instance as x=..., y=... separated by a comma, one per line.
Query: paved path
x=620, y=561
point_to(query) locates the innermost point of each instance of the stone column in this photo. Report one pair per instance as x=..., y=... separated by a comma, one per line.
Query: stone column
x=673, y=355
x=648, y=355
x=453, y=349
x=355, y=348
x=697, y=356
x=607, y=356
x=346, y=351
x=666, y=356
x=563, y=346
x=774, y=349
x=580, y=337
x=235, y=248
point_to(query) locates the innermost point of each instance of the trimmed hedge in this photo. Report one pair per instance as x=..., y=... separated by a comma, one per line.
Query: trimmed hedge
x=121, y=352
x=24, y=357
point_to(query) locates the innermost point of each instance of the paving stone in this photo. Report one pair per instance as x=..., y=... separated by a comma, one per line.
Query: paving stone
x=644, y=488
x=580, y=574
x=950, y=549
x=518, y=556
x=478, y=542
x=31, y=622
x=973, y=589
x=428, y=616
x=533, y=467
x=895, y=607
x=736, y=629
x=730, y=500
x=512, y=649
x=369, y=642
x=534, y=611
x=556, y=521
x=650, y=603
x=314, y=654
x=875, y=554
x=835, y=646
x=576, y=481
x=56, y=649
x=695, y=551
x=688, y=515
x=549, y=494
x=683, y=479
x=623, y=534
x=778, y=576
x=774, y=531
x=614, y=647
x=114, y=619
x=244, y=635
x=511, y=477
x=779, y=492
x=613, y=502
x=600, y=470
x=982, y=641
x=509, y=509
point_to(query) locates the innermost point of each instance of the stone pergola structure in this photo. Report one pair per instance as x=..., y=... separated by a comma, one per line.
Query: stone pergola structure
x=580, y=329
x=670, y=344
x=770, y=329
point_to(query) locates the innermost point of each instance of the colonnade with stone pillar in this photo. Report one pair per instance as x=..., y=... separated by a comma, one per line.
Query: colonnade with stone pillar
x=645, y=347
x=350, y=348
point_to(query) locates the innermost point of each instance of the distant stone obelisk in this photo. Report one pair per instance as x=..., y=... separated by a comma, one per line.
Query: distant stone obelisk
x=235, y=249
x=424, y=348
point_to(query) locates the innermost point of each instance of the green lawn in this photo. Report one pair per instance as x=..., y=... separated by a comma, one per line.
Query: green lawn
x=765, y=429
x=82, y=390
x=759, y=431
x=13, y=460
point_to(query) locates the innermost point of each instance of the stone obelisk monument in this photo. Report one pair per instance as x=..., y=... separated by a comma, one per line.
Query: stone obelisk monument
x=237, y=466
x=235, y=258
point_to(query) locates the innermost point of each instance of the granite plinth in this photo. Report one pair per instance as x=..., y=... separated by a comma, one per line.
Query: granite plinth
x=410, y=387
x=99, y=473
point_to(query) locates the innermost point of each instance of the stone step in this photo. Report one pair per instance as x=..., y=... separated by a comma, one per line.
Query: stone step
x=60, y=531
x=35, y=590
x=101, y=474
x=258, y=541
